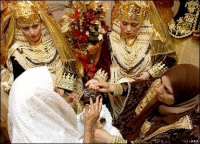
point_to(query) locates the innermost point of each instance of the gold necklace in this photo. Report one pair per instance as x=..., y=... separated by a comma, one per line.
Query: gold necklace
x=35, y=43
x=44, y=53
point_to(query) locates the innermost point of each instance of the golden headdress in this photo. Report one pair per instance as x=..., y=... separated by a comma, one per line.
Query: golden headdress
x=29, y=10
x=145, y=13
x=132, y=10
x=25, y=12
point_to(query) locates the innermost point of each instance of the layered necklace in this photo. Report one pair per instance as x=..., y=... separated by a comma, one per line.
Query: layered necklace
x=130, y=57
x=40, y=54
x=128, y=61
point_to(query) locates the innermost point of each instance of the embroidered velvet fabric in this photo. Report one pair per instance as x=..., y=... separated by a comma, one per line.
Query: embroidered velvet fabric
x=130, y=118
x=186, y=19
x=170, y=136
x=138, y=91
x=181, y=135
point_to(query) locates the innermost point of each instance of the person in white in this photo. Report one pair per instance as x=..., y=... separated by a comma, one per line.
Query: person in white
x=37, y=114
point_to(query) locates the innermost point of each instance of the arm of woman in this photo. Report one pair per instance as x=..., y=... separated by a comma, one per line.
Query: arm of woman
x=161, y=64
x=90, y=118
x=124, y=89
x=102, y=136
x=72, y=99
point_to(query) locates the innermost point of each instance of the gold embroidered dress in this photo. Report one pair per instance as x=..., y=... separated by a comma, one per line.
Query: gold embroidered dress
x=34, y=55
x=151, y=50
x=129, y=60
x=181, y=29
x=52, y=50
x=147, y=51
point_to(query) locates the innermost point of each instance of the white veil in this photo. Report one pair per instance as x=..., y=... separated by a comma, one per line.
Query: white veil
x=37, y=114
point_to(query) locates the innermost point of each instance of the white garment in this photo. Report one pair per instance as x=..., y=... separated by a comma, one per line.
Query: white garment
x=108, y=125
x=37, y=114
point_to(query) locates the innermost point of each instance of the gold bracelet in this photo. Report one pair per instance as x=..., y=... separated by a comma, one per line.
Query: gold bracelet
x=67, y=82
x=101, y=74
x=117, y=89
x=157, y=70
x=116, y=139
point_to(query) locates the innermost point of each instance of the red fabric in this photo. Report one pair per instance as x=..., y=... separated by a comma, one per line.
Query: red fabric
x=105, y=57
x=164, y=3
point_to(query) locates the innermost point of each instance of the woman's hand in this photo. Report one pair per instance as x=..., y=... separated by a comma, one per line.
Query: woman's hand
x=143, y=76
x=102, y=136
x=89, y=119
x=91, y=84
x=72, y=99
x=196, y=34
x=59, y=91
x=102, y=86
x=92, y=81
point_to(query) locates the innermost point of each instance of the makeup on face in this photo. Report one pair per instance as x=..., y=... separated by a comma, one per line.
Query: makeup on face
x=165, y=91
x=130, y=28
x=32, y=31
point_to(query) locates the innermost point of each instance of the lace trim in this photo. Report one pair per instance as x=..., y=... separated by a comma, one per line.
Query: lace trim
x=183, y=123
x=150, y=94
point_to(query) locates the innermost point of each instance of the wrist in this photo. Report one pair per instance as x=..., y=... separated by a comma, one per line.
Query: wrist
x=109, y=139
x=111, y=88
x=88, y=129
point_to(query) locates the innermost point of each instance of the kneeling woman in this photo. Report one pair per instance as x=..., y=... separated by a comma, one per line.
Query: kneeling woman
x=162, y=110
x=37, y=114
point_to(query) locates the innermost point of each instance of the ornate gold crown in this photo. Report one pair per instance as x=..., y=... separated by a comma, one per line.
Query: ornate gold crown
x=132, y=10
x=25, y=12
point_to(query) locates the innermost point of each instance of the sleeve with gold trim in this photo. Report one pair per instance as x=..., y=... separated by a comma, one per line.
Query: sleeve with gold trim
x=161, y=64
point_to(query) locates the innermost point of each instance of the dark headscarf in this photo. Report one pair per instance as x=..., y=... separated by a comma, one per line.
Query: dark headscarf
x=184, y=79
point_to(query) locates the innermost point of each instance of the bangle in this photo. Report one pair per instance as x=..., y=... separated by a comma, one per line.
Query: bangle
x=157, y=70
x=116, y=139
x=101, y=74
